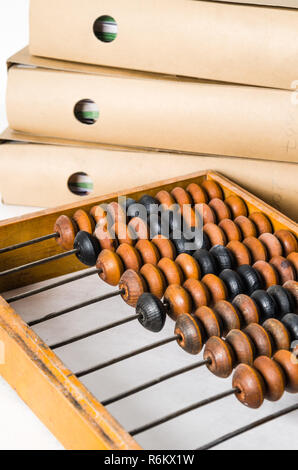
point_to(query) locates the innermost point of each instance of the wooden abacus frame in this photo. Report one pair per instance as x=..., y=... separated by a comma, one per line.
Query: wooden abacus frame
x=52, y=391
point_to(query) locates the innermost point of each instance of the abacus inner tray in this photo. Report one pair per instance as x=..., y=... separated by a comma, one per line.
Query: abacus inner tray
x=70, y=406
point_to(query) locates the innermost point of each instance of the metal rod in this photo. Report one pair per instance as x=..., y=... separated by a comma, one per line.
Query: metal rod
x=193, y=407
x=127, y=356
x=250, y=426
x=51, y=316
x=38, y=263
x=154, y=382
x=75, y=339
x=34, y=241
x=31, y=293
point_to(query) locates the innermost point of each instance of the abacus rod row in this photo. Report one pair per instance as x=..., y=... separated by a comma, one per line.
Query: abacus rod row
x=38, y=263
x=31, y=293
x=154, y=382
x=183, y=411
x=34, y=241
x=249, y=427
x=51, y=316
x=75, y=339
x=127, y=356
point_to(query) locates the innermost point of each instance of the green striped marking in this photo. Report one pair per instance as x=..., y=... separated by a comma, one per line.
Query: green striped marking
x=80, y=184
x=86, y=111
x=105, y=28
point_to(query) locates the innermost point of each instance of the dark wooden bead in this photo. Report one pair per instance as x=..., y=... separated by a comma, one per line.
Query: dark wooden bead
x=242, y=346
x=216, y=288
x=237, y=206
x=152, y=313
x=181, y=243
x=283, y=299
x=155, y=280
x=139, y=228
x=230, y=316
x=189, y=266
x=83, y=221
x=171, y=271
x=279, y=334
x=150, y=203
x=88, y=248
x=261, y=339
x=273, y=376
x=133, y=285
x=285, y=269
x=130, y=257
x=137, y=211
x=198, y=291
x=251, y=386
x=262, y=222
x=288, y=241
x=292, y=287
x=251, y=279
x=266, y=304
x=178, y=301
x=197, y=193
x=293, y=258
x=291, y=323
x=210, y=320
x=267, y=272
x=191, y=335
x=220, y=356
x=289, y=364
x=233, y=283
x=272, y=244
x=212, y=189
x=165, y=247
x=221, y=210
x=67, y=230
x=111, y=267
x=240, y=252
x=246, y=226
x=223, y=256
x=215, y=234
x=248, y=309
x=206, y=261
x=126, y=203
x=148, y=251
x=257, y=249
x=231, y=230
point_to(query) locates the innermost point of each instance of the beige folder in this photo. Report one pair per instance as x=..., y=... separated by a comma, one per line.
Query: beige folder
x=229, y=42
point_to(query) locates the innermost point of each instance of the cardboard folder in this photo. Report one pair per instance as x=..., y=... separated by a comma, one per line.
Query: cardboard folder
x=144, y=111
x=248, y=44
x=28, y=171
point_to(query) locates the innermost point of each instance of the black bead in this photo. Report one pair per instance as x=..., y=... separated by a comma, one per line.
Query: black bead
x=233, y=283
x=171, y=221
x=201, y=241
x=283, y=299
x=224, y=257
x=265, y=303
x=182, y=244
x=127, y=202
x=251, y=278
x=150, y=203
x=206, y=261
x=88, y=248
x=154, y=224
x=137, y=210
x=291, y=323
x=152, y=313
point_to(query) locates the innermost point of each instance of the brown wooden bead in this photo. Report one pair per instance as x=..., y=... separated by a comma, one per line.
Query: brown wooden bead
x=210, y=320
x=251, y=386
x=247, y=308
x=99, y=214
x=231, y=230
x=171, y=271
x=178, y=301
x=229, y=315
x=139, y=228
x=273, y=376
x=257, y=249
x=83, y=221
x=272, y=244
x=216, y=288
x=165, y=247
x=165, y=199
x=262, y=222
x=191, y=335
x=268, y=273
x=220, y=356
x=288, y=241
x=292, y=287
x=246, y=226
x=284, y=267
x=293, y=258
x=289, y=365
x=240, y=251
x=205, y=213
x=199, y=293
x=197, y=193
x=190, y=217
x=242, y=346
x=148, y=251
x=123, y=233
x=117, y=212
x=131, y=258
x=221, y=210
x=111, y=266
x=279, y=334
x=133, y=285
x=155, y=280
x=237, y=206
x=189, y=266
x=215, y=234
x=212, y=189
x=181, y=196
x=67, y=232
x=261, y=339
x=106, y=238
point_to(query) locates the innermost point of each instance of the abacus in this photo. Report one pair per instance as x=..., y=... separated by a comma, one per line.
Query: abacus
x=233, y=295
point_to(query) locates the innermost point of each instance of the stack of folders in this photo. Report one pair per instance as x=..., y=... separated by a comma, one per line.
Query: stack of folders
x=115, y=94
